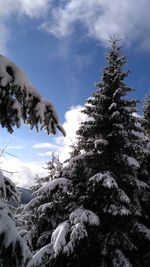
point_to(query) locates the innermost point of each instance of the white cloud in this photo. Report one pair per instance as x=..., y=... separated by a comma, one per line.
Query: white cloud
x=4, y=38
x=24, y=172
x=7, y=7
x=44, y=145
x=128, y=19
x=15, y=147
x=10, y=8
x=36, y=8
x=101, y=19
x=73, y=119
x=45, y=154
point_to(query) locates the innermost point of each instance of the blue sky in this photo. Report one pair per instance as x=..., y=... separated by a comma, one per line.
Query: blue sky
x=61, y=46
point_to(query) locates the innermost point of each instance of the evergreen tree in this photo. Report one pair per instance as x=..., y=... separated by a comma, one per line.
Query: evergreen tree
x=46, y=210
x=54, y=167
x=109, y=221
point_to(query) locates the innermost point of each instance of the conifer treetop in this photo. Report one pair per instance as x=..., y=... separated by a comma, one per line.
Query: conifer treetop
x=108, y=109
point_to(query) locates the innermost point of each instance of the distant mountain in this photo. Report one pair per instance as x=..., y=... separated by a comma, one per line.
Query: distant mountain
x=25, y=195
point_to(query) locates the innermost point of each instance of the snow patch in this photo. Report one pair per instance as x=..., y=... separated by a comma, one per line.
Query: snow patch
x=74, y=230
x=141, y=184
x=84, y=216
x=140, y=228
x=100, y=143
x=117, y=210
x=107, y=179
x=11, y=235
x=58, y=238
x=120, y=259
x=16, y=76
x=119, y=92
x=123, y=196
x=44, y=207
x=133, y=162
x=39, y=258
x=61, y=183
x=115, y=114
x=112, y=106
x=78, y=232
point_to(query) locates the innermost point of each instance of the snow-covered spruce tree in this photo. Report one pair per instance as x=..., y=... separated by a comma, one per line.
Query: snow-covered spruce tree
x=110, y=220
x=19, y=100
x=53, y=167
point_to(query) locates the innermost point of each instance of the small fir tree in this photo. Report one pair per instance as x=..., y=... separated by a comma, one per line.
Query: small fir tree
x=54, y=166
x=46, y=210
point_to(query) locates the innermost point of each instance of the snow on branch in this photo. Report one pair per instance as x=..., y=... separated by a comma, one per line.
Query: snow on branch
x=106, y=178
x=41, y=257
x=13, y=249
x=8, y=189
x=61, y=183
x=132, y=162
x=142, y=230
x=20, y=100
x=120, y=259
x=84, y=216
x=59, y=237
x=67, y=235
x=123, y=196
x=117, y=209
x=33, y=204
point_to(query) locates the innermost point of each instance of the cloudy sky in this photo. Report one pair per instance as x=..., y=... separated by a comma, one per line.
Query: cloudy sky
x=60, y=44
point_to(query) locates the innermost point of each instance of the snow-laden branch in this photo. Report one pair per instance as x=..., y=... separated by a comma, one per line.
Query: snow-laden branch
x=67, y=234
x=8, y=189
x=19, y=99
x=13, y=249
x=60, y=183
